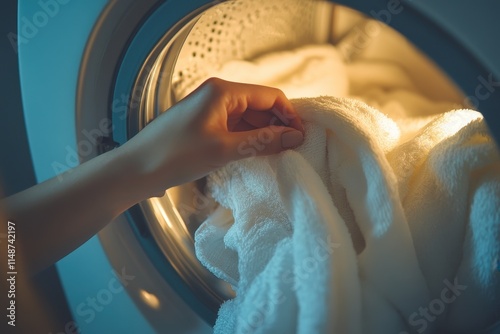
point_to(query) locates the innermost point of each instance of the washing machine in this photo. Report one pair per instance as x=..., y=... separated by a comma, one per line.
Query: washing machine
x=94, y=73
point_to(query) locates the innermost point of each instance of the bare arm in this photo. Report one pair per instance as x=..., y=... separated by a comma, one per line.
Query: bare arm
x=203, y=132
x=55, y=217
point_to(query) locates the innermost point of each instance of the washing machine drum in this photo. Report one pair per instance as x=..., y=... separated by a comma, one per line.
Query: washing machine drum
x=161, y=50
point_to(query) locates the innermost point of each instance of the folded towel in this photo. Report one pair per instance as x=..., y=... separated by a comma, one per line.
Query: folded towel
x=358, y=231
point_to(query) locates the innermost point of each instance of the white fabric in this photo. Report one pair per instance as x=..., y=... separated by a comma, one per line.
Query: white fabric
x=309, y=71
x=417, y=193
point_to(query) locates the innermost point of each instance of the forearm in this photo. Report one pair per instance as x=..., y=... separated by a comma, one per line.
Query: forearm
x=56, y=216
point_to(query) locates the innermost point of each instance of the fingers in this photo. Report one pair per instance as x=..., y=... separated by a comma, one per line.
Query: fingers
x=257, y=105
x=252, y=119
x=260, y=120
x=262, y=141
x=265, y=104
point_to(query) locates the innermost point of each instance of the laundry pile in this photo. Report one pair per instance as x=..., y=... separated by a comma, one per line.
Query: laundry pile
x=385, y=220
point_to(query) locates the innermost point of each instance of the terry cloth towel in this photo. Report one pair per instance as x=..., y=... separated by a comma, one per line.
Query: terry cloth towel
x=356, y=231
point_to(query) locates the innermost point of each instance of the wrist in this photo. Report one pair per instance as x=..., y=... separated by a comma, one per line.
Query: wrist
x=127, y=178
x=137, y=174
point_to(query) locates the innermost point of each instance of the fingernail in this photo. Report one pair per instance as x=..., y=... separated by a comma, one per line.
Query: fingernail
x=280, y=115
x=292, y=138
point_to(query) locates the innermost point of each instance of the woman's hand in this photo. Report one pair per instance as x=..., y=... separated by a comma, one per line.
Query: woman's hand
x=217, y=123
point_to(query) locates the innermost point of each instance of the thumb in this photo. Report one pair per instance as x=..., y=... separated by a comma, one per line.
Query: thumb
x=263, y=141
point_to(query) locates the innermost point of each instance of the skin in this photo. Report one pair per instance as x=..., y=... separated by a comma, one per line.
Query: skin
x=193, y=138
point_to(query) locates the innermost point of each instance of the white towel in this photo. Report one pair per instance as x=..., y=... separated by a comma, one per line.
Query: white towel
x=428, y=209
x=449, y=182
x=309, y=71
